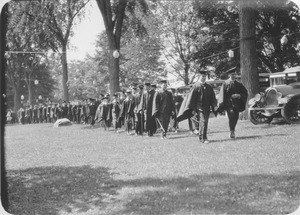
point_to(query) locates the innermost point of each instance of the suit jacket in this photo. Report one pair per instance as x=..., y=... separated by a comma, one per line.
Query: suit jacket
x=103, y=112
x=128, y=108
x=92, y=109
x=178, y=101
x=201, y=96
x=163, y=104
x=35, y=112
x=225, y=99
x=64, y=111
x=116, y=109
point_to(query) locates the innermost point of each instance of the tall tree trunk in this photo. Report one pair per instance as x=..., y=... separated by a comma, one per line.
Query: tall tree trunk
x=30, y=92
x=248, y=56
x=64, y=64
x=186, y=74
x=29, y=86
x=114, y=81
x=114, y=67
x=113, y=28
x=17, y=99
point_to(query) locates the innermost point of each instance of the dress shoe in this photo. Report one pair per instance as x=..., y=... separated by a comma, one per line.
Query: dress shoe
x=200, y=138
x=232, y=134
x=206, y=141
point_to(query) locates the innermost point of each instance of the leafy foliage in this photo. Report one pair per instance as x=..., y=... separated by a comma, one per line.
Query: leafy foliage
x=271, y=22
x=140, y=60
x=40, y=26
x=179, y=29
x=138, y=63
x=86, y=80
x=25, y=59
x=221, y=21
x=221, y=18
x=57, y=19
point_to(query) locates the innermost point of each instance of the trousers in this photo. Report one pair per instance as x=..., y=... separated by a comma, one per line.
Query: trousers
x=233, y=116
x=202, y=116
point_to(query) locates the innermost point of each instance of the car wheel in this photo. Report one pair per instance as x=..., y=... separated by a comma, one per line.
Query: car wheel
x=256, y=116
x=291, y=111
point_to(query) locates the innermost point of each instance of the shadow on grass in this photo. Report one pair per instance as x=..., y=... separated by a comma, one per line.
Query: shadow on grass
x=181, y=137
x=74, y=190
x=89, y=126
x=259, y=136
x=217, y=194
x=269, y=125
x=248, y=137
x=48, y=190
x=216, y=132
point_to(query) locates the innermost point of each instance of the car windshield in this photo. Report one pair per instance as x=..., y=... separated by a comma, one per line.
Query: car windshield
x=281, y=78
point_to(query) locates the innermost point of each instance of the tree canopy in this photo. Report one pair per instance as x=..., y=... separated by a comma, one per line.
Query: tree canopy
x=272, y=17
x=25, y=57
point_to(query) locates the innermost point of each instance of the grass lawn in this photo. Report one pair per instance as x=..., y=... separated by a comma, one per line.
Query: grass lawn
x=83, y=171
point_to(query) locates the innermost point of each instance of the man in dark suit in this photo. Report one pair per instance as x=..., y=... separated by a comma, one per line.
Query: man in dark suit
x=203, y=100
x=178, y=101
x=48, y=111
x=64, y=110
x=92, y=110
x=164, y=108
x=147, y=103
x=86, y=112
x=45, y=113
x=103, y=112
x=30, y=114
x=232, y=98
x=40, y=113
x=70, y=112
x=139, y=118
x=56, y=112
x=116, y=109
x=200, y=100
x=35, y=114
x=128, y=111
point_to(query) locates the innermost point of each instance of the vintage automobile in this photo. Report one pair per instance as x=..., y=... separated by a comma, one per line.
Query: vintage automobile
x=281, y=99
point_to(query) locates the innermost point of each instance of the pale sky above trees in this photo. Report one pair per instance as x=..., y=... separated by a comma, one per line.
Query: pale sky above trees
x=85, y=33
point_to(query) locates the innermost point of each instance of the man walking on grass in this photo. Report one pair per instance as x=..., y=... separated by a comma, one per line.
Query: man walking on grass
x=200, y=100
x=232, y=98
x=164, y=108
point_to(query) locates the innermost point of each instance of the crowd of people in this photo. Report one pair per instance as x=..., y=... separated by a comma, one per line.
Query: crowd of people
x=147, y=108
x=131, y=109
x=50, y=112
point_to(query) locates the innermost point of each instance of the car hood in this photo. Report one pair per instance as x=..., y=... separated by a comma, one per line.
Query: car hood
x=290, y=89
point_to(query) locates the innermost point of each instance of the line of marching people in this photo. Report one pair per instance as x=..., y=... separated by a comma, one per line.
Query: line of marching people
x=145, y=108
x=77, y=112
x=141, y=109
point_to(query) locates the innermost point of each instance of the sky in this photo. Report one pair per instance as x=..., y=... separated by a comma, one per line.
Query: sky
x=85, y=33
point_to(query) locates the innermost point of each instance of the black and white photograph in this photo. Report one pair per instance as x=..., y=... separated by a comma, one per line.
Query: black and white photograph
x=150, y=107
